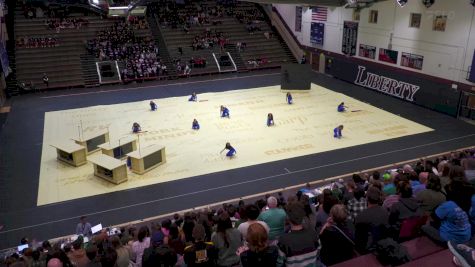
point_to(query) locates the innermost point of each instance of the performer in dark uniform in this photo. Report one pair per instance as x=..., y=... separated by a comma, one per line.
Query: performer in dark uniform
x=342, y=107
x=136, y=127
x=231, y=151
x=224, y=112
x=153, y=106
x=195, y=125
x=289, y=98
x=337, y=131
x=270, y=119
x=193, y=97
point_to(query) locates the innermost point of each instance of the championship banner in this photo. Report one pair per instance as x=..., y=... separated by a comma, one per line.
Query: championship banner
x=350, y=38
x=317, y=33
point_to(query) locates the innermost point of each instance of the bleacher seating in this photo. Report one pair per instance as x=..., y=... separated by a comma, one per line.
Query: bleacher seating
x=62, y=63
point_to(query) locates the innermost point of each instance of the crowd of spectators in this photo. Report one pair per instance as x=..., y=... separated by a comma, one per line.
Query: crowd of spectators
x=209, y=39
x=58, y=24
x=140, y=55
x=138, y=23
x=314, y=227
x=37, y=42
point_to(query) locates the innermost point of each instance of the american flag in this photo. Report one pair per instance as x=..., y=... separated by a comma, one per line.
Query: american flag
x=319, y=13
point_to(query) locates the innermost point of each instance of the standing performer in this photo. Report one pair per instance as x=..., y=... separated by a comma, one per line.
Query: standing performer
x=193, y=97
x=289, y=98
x=337, y=132
x=270, y=119
x=195, y=125
x=153, y=106
x=224, y=112
x=231, y=150
x=136, y=127
x=342, y=107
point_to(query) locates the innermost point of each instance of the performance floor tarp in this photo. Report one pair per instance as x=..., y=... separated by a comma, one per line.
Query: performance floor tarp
x=303, y=128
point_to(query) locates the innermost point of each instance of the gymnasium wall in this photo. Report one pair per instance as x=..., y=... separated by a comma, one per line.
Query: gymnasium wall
x=447, y=54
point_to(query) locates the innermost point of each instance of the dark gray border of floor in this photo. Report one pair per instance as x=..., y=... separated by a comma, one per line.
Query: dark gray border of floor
x=21, y=141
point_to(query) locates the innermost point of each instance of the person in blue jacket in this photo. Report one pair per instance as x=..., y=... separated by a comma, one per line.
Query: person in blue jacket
x=341, y=107
x=231, y=151
x=136, y=127
x=289, y=98
x=153, y=106
x=337, y=131
x=195, y=125
x=270, y=119
x=193, y=97
x=224, y=112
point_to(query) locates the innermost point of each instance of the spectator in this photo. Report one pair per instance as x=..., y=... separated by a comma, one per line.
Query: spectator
x=407, y=206
x=78, y=255
x=91, y=253
x=423, y=178
x=299, y=247
x=469, y=166
x=123, y=254
x=327, y=201
x=258, y=253
x=138, y=247
x=337, y=237
x=453, y=221
x=371, y=223
x=158, y=254
x=83, y=228
x=37, y=260
x=175, y=240
x=274, y=218
x=252, y=213
x=227, y=240
x=109, y=258
x=46, y=80
x=432, y=196
x=188, y=225
x=200, y=253
x=357, y=204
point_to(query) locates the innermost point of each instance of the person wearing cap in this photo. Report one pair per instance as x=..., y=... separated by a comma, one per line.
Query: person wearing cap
x=274, y=217
x=298, y=247
x=371, y=223
x=200, y=253
x=158, y=254
x=336, y=237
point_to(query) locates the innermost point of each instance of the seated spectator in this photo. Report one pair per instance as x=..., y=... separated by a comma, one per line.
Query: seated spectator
x=432, y=196
x=469, y=166
x=123, y=254
x=175, y=240
x=158, y=254
x=357, y=204
x=200, y=253
x=423, y=177
x=78, y=255
x=371, y=223
x=299, y=244
x=407, y=206
x=453, y=221
x=227, y=240
x=274, y=218
x=336, y=237
x=138, y=247
x=390, y=200
x=252, y=213
x=257, y=252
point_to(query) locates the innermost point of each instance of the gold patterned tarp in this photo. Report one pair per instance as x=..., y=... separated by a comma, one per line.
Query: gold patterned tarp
x=304, y=128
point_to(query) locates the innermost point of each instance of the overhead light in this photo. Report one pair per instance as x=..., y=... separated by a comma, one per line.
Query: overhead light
x=402, y=3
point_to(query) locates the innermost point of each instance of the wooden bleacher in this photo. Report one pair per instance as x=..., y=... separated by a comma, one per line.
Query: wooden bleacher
x=257, y=46
x=63, y=63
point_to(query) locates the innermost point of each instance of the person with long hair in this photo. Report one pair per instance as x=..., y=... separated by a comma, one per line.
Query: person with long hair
x=432, y=196
x=258, y=253
x=227, y=240
x=140, y=245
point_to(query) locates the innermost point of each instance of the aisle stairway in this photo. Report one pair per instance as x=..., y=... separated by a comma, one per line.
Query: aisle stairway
x=63, y=63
